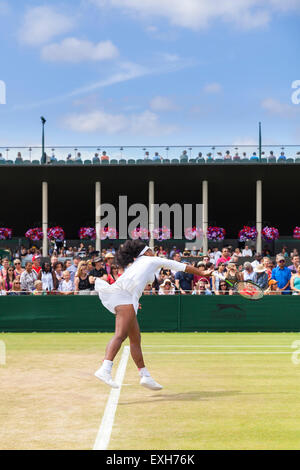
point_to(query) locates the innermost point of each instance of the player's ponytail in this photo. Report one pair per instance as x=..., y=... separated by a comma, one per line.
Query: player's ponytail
x=129, y=251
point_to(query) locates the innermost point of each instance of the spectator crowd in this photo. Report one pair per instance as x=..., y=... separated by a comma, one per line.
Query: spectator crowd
x=73, y=271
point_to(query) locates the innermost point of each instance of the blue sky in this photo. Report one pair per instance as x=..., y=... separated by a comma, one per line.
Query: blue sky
x=151, y=72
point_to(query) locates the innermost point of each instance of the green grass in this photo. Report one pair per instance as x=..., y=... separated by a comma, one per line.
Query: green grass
x=212, y=399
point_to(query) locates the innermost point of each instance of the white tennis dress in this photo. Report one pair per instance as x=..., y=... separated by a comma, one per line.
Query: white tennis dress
x=130, y=286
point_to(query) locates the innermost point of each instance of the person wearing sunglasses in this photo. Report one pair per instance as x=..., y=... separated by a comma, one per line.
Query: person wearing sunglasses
x=18, y=267
x=282, y=275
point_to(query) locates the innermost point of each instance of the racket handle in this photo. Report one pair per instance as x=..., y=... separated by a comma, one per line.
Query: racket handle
x=228, y=282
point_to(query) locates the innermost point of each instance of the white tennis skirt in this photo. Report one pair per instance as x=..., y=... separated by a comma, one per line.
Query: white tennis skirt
x=111, y=295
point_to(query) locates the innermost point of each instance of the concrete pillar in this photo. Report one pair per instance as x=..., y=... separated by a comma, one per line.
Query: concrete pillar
x=259, y=215
x=205, y=215
x=151, y=212
x=98, y=215
x=45, y=218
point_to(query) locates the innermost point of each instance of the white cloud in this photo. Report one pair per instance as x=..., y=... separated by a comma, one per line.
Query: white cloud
x=162, y=103
x=197, y=14
x=212, y=88
x=245, y=141
x=275, y=107
x=76, y=50
x=40, y=24
x=146, y=123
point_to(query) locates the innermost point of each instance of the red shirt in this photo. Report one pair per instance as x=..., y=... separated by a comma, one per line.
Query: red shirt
x=223, y=260
x=36, y=269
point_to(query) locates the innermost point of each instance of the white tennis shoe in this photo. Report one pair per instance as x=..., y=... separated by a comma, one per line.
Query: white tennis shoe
x=150, y=383
x=106, y=377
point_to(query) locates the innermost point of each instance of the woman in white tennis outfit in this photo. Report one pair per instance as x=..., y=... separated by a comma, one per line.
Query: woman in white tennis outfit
x=122, y=299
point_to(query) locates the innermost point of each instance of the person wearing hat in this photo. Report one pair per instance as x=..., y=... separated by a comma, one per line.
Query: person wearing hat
x=273, y=288
x=261, y=276
x=282, y=275
x=166, y=288
x=36, y=263
x=97, y=272
x=109, y=259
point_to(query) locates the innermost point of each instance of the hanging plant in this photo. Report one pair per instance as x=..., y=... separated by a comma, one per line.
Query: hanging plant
x=87, y=233
x=34, y=234
x=56, y=233
x=193, y=232
x=296, y=233
x=142, y=233
x=247, y=233
x=108, y=232
x=216, y=233
x=163, y=233
x=5, y=233
x=270, y=233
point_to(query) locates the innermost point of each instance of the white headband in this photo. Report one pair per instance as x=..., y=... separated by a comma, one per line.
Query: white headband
x=144, y=250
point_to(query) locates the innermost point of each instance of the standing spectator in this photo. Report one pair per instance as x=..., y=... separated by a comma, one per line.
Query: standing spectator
x=248, y=273
x=82, y=283
x=246, y=252
x=282, y=275
x=28, y=278
x=225, y=258
x=294, y=267
x=36, y=263
x=47, y=277
x=261, y=276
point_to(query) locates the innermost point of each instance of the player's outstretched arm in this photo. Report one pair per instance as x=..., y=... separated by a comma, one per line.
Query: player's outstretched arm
x=192, y=270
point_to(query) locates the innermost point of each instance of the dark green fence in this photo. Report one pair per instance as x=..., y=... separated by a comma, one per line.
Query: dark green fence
x=178, y=313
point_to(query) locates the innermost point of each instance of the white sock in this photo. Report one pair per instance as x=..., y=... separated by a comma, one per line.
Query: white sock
x=144, y=372
x=107, y=365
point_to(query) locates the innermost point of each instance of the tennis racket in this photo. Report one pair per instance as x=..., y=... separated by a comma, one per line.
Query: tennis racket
x=247, y=289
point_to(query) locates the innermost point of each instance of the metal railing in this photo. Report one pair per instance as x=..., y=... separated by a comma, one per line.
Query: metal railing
x=152, y=154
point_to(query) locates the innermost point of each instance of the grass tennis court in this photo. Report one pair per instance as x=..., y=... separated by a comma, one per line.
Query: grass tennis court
x=222, y=391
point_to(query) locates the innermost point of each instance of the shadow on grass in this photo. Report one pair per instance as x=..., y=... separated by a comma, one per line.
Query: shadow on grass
x=188, y=396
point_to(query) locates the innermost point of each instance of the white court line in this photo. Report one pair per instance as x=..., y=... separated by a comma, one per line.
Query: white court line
x=104, y=433
x=216, y=346
x=216, y=352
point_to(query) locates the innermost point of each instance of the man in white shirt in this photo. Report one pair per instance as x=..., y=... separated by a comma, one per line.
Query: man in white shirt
x=246, y=252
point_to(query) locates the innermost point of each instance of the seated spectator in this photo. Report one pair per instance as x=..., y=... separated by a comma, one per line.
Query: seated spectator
x=2, y=159
x=113, y=276
x=217, y=276
x=261, y=276
x=225, y=258
x=237, y=252
x=67, y=286
x=246, y=252
x=57, y=275
x=69, y=251
x=4, y=267
x=272, y=156
x=224, y=289
x=248, y=272
x=28, y=278
x=183, y=156
x=82, y=283
x=16, y=288
x=209, y=157
x=282, y=157
x=36, y=263
x=148, y=289
x=232, y=275
x=254, y=157
x=19, y=158
x=157, y=157
x=294, y=252
x=236, y=157
x=9, y=278
x=69, y=157
x=268, y=265
x=184, y=282
x=296, y=261
x=146, y=156
x=282, y=275
x=227, y=155
x=273, y=288
x=78, y=157
x=201, y=289
x=104, y=157
x=295, y=282
x=199, y=157
x=98, y=271
x=39, y=288
x=245, y=156
x=257, y=260
x=284, y=252
x=96, y=158
x=46, y=276
x=18, y=267
x=166, y=288
x=108, y=261
x=53, y=159
x=186, y=253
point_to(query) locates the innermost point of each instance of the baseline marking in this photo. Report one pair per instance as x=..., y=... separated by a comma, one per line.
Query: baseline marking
x=104, y=433
x=216, y=346
x=216, y=352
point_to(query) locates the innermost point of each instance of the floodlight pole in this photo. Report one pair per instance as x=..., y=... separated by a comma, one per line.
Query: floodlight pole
x=259, y=140
x=43, y=137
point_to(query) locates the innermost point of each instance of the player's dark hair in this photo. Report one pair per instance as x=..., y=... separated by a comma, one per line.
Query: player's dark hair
x=127, y=252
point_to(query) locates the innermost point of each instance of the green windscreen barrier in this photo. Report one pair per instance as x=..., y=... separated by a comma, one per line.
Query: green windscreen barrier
x=159, y=313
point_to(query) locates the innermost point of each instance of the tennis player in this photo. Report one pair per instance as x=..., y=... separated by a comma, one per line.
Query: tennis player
x=122, y=299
